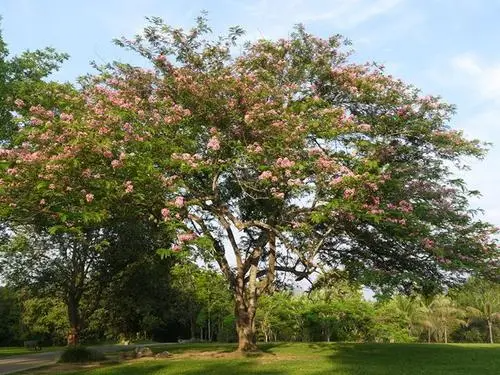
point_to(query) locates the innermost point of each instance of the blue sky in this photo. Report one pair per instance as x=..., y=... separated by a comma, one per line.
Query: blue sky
x=445, y=47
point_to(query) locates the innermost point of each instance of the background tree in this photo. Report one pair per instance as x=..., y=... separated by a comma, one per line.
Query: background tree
x=10, y=316
x=443, y=316
x=23, y=80
x=288, y=157
x=481, y=300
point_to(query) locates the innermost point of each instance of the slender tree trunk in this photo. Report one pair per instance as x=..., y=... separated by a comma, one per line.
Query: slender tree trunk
x=209, y=331
x=428, y=335
x=193, y=328
x=445, y=335
x=490, y=331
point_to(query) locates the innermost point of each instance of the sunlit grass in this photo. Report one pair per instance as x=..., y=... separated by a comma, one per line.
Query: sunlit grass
x=313, y=358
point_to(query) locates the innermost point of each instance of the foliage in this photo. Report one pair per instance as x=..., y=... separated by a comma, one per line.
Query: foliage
x=288, y=157
x=23, y=82
x=45, y=318
x=10, y=316
x=481, y=299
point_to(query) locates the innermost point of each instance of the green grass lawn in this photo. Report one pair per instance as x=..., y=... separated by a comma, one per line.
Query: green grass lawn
x=16, y=350
x=312, y=358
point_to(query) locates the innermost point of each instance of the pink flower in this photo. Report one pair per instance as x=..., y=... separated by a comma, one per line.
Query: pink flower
x=103, y=130
x=279, y=195
x=214, y=143
x=405, y=206
x=213, y=130
x=176, y=247
x=179, y=201
x=116, y=163
x=325, y=163
x=107, y=154
x=165, y=212
x=19, y=103
x=89, y=197
x=427, y=243
x=127, y=127
x=87, y=173
x=364, y=127
x=349, y=193
x=161, y=58
x=266, y=175
x=284, y=163
x=36, y=121
x=184, y=237
x=66, y=117
x=42, y=202
x=129, y=187
x=335, y=180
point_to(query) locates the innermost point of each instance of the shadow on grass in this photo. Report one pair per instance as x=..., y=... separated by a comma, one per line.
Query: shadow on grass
x=416, y=359
x=217, y=348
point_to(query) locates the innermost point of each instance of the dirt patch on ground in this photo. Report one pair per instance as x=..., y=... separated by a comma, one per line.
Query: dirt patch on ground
x=67, y=367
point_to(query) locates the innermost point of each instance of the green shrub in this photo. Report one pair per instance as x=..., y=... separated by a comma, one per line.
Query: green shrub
x=81, y=354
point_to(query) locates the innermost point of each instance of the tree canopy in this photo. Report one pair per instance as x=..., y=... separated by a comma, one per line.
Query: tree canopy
x=287, y=158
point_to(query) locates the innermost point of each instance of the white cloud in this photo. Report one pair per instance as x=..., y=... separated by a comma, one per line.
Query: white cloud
x=482, y=77
x=342, y=13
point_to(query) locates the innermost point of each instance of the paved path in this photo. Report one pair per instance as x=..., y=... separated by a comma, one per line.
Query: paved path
x=23, y=362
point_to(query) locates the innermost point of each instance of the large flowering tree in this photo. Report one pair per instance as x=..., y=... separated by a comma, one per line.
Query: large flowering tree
x=285, y=159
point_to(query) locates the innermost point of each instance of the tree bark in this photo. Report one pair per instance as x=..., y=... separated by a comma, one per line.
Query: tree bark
x=445, y=335
x=490, y=331
x=245, y=308
x=73, y=337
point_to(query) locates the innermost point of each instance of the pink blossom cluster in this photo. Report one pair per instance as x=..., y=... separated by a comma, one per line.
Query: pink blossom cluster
x=179, y=201
x=66, y=117
x=349, y=193
x=427, y=243
x=116, y=163
x=213, y=143
x=396, y=221
x=364, y=127
x=325, y=163
x=284, y=163
x=254, y=148
x=266, y=175
x=165, y=213
x=185, y=237
x=294, y=182
x=42, y=112
x=192, y=160
x=129, y=187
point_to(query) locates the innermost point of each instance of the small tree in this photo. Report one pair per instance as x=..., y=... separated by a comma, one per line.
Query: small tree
x=285, y=159
x=443, y=315
x=481, y=300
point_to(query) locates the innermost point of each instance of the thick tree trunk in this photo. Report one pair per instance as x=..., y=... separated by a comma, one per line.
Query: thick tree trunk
x=73, y=337
x=490, y=331
x=246, y=299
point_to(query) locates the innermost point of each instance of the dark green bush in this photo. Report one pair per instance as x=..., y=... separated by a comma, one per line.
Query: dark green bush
x=81, y=354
